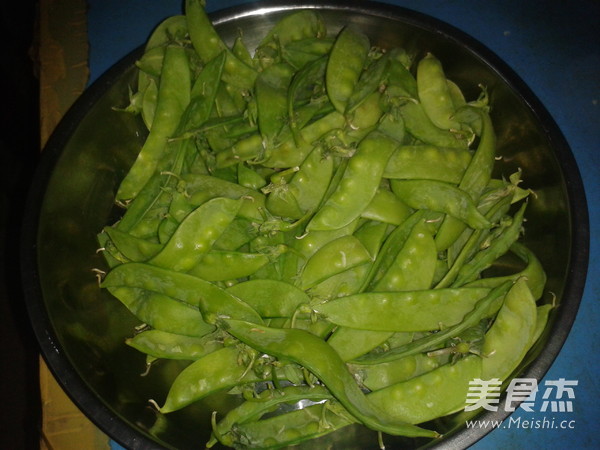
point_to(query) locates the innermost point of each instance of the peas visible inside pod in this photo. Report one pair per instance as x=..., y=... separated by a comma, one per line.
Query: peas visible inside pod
x=316, y=221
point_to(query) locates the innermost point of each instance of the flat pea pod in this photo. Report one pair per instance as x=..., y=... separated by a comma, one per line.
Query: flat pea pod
x=370, y=81
x=533, y=273
x=352, y=343
x=265, y=402
x=346, y=62
x=173, y=98
x=485, y=307
x=434, y=93
x=475, y=179
x=212, y=301
x=441, y=197
x=162, y=312
x=372, y=234
x=318, y=357
x=421, y=310
x=414, y=266
x=431, y=395
x=132, y=247
x=218, y=265
x=308, y=243
x=270, y=298
x=428, y=162
x=214, y=372
x=302, y=52
x=358, y=185
x=511, y=334
x=196, y=234
x=420, y=126
x=485, y=257
x=310, y=183
x=162, y=344
x=387, y=208
x=339, y=285
x=334, y=257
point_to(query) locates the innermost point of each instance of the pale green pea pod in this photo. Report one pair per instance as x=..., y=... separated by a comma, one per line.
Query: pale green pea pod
x=270, y=298
x=196, y=234
x=339, y=285
x=352, y=343
x=510, y=337
x=218, y=265
x=162, y=344
x=386, y=207
x=441, y=197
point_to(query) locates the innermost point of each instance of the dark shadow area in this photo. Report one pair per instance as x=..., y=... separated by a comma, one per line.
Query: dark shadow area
x=20, y=415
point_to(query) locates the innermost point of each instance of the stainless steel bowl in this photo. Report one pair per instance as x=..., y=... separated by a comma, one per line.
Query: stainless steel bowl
x=81, y=328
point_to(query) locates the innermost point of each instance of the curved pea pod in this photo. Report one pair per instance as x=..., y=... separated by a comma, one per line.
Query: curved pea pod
x=420, y=126
x=292, y=27
x=132, y=247
x=351, y=343
x=200, y=188
x=369, y=82
x=250, y=178
x=319, y=358
x=162, y=312
x=510, y=337
x=498, y=247
x=334, y=257
x=218, y=265
x=310, y=183
x=431, y=395
x=421, y=310
x=270, y=298
x=308, y=243
x=372, y=234
x=379, y=376
x=162, y=344
x=428, y=162
x=214, y=372
x=475, y=179
x=173, y=98
x=208, y=44
x=415, y=264
x=302, y=52
x=341, y=284
x=358, y=185
x=196, y=234
x=347, y=59
x=434, y=93
x=400, y=81
x=212, y=301
x=172, y=29
x=265, y=402
x=441, y=197
x=487, y=306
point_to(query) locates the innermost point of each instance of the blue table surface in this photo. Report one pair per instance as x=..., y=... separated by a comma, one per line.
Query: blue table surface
x=553, y=46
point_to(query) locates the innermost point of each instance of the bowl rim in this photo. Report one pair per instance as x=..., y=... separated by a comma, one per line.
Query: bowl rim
x=118, y=428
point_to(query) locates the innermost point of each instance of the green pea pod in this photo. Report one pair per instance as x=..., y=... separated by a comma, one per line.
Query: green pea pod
x=271, y=92
x=370, y=81
x=434, y=93
x=372, y=234
x=195, y=236
x=132, y=247
x=173, y=98
x=172, y=29
x=334, y=257
x=358, y=185
x=352, y=343
x=346, y=62
x=238, y=233
x=249, y=178
x=428, y=162
x=214, y=372
x=511, y=334
x=344, y=283
x=474, y=180
x=303, y=52
x=270, y=298
x=162, y=312
x=265, y=402
x=212, y=301
x=431, y=395
x=421, y=310
x=487, y=306
x=485, y=257
x=310, y=183
x=318, y=357
x=414, y=266
x=162, y=344
x=441, y=197
x=218, y=265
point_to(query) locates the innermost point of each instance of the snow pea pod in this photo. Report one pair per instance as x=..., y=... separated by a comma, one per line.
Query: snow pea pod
x=441, y=197
x=488, y=305
x=303, y=52
x=162, y=344
x=387, y=208
x=173, y=98
x=346, y=62
x=420, y=310
x=227, y=265
x=428, y=162
x=318, y=357
x=209, y=298
x=358, y=185
x=196, y=234
x=162, y=312
x=270, y=298
x=132, y=247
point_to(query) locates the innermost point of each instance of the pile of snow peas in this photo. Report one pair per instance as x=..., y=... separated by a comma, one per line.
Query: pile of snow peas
x=313, y=222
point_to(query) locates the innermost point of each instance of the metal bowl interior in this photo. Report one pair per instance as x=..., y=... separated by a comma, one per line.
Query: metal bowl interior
x=81, y=329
